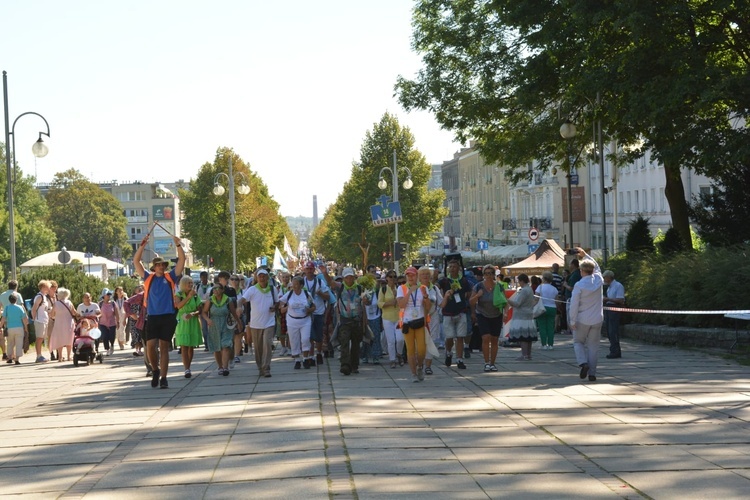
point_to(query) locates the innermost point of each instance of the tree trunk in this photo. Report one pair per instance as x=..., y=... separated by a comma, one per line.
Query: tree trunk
x=674, y=191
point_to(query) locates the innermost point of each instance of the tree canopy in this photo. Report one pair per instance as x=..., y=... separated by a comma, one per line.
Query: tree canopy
x=33, y=235
x=672, y=76
x=346, y=233
x=207, y=223
x=84, y=216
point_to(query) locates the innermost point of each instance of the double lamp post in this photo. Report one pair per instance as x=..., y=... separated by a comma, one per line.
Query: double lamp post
x=382, y=184
x=219, y=190
x=39, y=149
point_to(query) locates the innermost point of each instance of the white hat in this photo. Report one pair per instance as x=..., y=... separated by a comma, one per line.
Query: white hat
x=348, y=271
x=261, y=271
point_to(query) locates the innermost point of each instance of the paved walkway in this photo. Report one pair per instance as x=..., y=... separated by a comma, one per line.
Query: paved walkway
x=659, y=423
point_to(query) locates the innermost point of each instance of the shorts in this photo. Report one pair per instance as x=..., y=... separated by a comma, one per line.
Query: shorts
x=454, y=326
x=490, y=326
x=161, y=327
x=40, y=330
x=316, y=331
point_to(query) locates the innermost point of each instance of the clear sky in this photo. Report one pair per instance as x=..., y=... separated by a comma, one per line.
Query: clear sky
x=148, y=90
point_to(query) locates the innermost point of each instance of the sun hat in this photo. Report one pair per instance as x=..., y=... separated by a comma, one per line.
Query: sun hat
x=411, y=270
x=158, y=260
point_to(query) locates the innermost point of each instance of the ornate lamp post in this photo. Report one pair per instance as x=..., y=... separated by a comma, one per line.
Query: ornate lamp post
x=568, y=132
x=219, y=191
x=382, y=184
x=40, y=151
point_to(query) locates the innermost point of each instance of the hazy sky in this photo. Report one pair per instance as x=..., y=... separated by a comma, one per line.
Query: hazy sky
x=148, y=90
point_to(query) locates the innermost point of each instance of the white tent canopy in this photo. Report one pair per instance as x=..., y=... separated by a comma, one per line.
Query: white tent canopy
x=50, y=259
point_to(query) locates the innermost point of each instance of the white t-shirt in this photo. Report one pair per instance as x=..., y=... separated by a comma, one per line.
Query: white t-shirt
x=43, y=309
x=414, y=308
x=313, y=287
x=548, y=293
x=261, y=316
x=297, y=304
x=91, y=310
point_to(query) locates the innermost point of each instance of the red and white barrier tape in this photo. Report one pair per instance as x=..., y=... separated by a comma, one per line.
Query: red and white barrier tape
x=667, y=311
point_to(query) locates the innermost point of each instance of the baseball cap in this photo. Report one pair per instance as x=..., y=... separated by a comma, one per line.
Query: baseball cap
x=310, y=265
x=411, y=270
x=348, y=271
x=262, y=271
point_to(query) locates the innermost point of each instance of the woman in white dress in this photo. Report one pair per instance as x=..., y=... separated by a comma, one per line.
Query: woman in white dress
x=522, y=325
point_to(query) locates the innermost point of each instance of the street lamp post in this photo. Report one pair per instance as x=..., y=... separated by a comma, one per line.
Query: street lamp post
x=568, y=132
x=39, y=149
x=382, y=184
x=219, y=191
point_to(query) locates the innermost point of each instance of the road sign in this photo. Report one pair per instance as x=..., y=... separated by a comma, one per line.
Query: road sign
x=574, y=179
x=533, y=248
x=385, y=212
x=533, y=234
x=88, y=255
x=63, y=257
x=482, y=245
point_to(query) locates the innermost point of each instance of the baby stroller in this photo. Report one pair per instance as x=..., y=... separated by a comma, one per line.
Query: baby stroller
x=84, y=348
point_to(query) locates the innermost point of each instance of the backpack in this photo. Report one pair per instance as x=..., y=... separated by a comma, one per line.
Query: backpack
x=310, y=302
x=339, y=299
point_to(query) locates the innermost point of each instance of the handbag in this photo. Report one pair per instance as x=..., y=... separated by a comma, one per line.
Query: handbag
x=539, y=308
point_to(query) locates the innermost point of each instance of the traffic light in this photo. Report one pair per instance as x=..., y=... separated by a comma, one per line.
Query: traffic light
x=399, y=250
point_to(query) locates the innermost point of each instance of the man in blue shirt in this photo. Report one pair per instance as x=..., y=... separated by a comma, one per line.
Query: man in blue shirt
x=158, y=298
x=17, y=324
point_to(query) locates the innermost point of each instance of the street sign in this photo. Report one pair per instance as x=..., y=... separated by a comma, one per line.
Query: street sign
x=533, y=248
x=574, y=179
x=88, y=255
x=533, y=234
x=63, y=257
x=385, y=212
x=482, y=245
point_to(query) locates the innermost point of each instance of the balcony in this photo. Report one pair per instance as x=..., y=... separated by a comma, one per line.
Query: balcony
x=509, y=224
x=542, y=224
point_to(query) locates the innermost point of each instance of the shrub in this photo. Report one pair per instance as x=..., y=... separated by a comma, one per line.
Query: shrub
x=638, y=237
x=685, y=281
x=73, y=279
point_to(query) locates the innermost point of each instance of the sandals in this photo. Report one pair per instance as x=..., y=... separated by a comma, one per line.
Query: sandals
x=428, y=371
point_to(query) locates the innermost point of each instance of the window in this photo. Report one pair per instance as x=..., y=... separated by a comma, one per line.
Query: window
x=636, y=205
x=644, y=200
x=705, y=190
x=628, y=205
x=620, y=205
x=662, y=200
x=131, y=196
x=653, y=200
x=135, y=232
x=594, y=206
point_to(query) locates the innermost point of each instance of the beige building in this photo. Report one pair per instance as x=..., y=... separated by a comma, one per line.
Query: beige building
x=146, y=203
x=484, y=201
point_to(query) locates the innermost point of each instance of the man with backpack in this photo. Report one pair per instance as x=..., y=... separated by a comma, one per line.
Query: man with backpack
x=262, y=300
x=320, y=293
x=158, y=300
x=352, y=316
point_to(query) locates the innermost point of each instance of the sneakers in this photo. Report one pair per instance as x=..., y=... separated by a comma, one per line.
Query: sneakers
x=226, y=372
x=52, y=357
x=346, y=369
x=231, y=365
x=163, y=383
x=486, y=367
x=306, y=364
x=614, y=356
x=428, y=371
x=375, y=361
x=584, y=370
x=237, y=359
x=592, y=378
x=110, y=351
x=297, y=365
x=319, y=358
x=9, y=361
x=460, y=365
x=549, y=348
x=155, y=378
x=467, y=352
x=188, y=374
x=312, y=361
x=393, y=364
x=5, y=357
x=420, y=374
x=41, y=359
x=17, y=362
x=493, y=368
x=448, y=359
x=414, y=378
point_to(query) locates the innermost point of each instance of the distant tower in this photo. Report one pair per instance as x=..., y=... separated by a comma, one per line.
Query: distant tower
x=315, y=211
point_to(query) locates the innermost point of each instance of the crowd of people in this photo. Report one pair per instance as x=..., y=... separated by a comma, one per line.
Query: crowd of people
x=316, y=313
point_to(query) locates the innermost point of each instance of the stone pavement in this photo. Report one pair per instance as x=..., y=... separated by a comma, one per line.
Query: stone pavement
x=659, y=423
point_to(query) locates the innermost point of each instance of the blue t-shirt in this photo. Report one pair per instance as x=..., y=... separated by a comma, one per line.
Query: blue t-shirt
x=14, y=314
x=161, y=294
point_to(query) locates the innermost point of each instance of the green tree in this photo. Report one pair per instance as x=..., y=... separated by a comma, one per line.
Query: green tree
x=671, y=243
x=721, y=215
x=638, y=237
x=672, y=72
x=347, y=233
x=33, y=236
x=207, y=223
x=85, y=217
